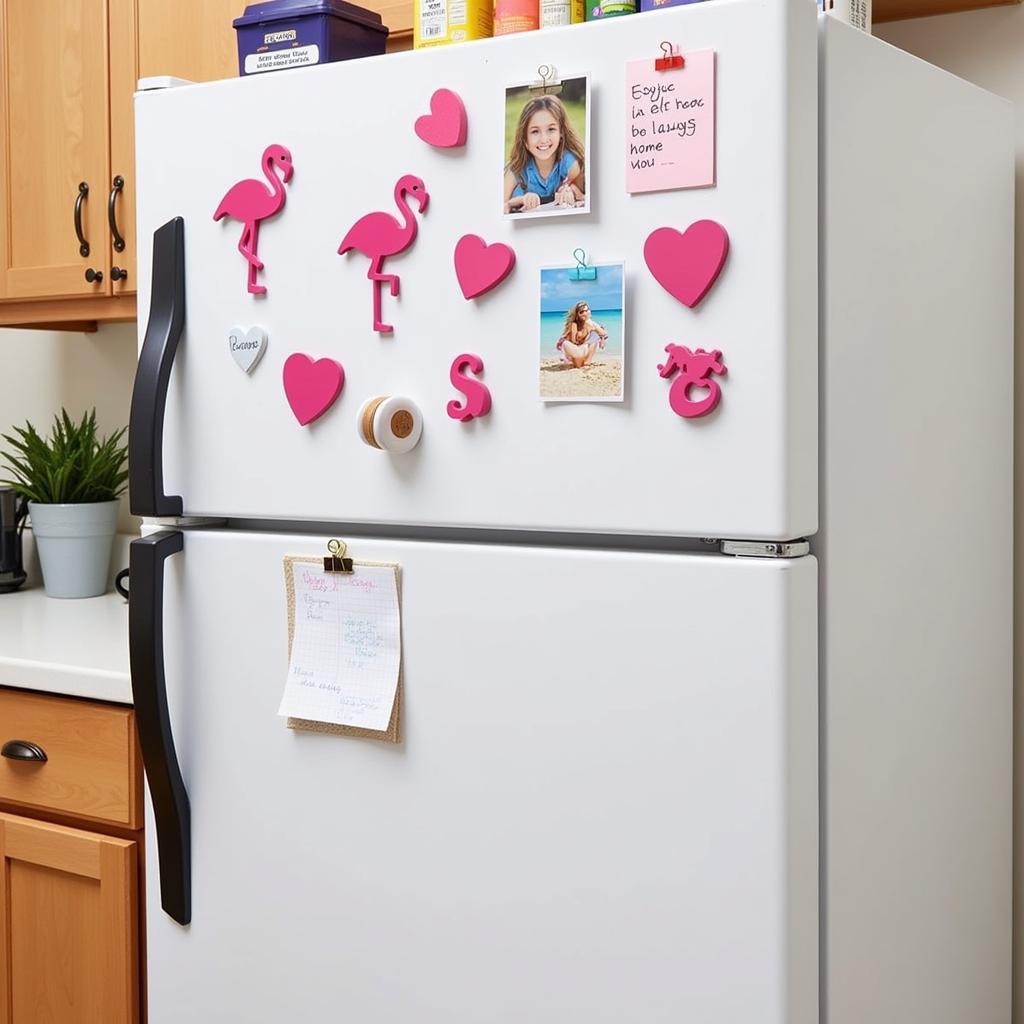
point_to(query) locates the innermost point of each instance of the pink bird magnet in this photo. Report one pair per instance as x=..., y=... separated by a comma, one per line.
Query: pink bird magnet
x=480, y=267
x=379, y=235
x=311, y=386
x=695, y=369
x=250, y=201
x=686, y=264
x=478, y=398
x=446, y=125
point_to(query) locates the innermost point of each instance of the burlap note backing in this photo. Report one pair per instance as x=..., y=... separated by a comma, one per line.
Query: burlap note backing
x=393, y=732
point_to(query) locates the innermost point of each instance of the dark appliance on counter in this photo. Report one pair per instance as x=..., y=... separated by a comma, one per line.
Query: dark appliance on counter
x=12, y=522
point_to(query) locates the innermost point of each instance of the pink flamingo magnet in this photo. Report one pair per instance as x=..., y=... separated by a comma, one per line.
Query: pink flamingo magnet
x=695, y=369
x=446, y=125
x=379, y=235
x=478, y=398
x=249, y=201
x=480, y=267
x=311, y=386
x=686, y=264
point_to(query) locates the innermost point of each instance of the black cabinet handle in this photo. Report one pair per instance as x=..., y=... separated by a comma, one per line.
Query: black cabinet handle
x=23, y=750
x=149, y=395
x=149, y=693
x=118, y=274
x=83, y=245
x=94, y=276
x=117, y=185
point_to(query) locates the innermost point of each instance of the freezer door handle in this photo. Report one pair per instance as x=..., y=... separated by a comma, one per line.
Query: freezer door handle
x=149, y=395
x=149, y=691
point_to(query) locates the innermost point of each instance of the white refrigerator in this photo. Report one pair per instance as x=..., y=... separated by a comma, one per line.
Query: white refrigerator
x=702, y=719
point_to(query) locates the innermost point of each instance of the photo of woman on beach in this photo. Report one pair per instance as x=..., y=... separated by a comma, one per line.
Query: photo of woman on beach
x=581, y=335
x=546, y=139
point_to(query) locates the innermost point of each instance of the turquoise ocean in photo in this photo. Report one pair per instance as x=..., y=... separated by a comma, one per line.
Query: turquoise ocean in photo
x=551, y=330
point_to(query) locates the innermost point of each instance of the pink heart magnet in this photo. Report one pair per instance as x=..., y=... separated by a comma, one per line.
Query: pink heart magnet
x=687, y=264
x=445, y=126
x=481, y=267
x=311, y=386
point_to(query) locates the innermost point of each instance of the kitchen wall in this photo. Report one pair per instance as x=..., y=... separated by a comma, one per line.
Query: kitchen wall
x=987, y=47
x=44, y=370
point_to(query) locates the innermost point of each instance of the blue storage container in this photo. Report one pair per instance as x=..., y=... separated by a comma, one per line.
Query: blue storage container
x=283, y=34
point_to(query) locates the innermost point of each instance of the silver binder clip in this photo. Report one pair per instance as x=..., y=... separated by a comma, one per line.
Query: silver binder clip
x=548, y=84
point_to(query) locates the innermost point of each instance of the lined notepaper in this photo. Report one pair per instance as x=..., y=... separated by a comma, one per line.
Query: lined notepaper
x=346, y=650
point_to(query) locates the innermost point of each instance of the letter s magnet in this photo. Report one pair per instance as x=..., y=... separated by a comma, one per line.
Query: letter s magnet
x=478, y=398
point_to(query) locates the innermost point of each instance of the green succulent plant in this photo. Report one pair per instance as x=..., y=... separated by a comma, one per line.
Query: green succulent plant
x=72, y=466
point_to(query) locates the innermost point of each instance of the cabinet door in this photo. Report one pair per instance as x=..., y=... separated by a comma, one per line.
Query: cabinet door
x=68, y=926
x=191, y=39
x=124, y=73
x=54, y=130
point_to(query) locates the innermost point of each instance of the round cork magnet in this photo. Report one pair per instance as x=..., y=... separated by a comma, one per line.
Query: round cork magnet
x=392, y=423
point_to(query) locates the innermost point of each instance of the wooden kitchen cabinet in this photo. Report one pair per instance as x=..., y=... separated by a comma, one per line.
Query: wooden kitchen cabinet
x=54, y=140
x=71, y=862
x=68, y=925
x=68, y=71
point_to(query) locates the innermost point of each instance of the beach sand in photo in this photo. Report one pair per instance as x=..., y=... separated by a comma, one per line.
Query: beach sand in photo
x=600, y=379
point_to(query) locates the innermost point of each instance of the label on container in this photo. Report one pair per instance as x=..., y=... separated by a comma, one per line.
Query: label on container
x=280, y=37
x=516, y=16
x=560, y=12
x=854, y=12
x=433, y=19
x=609, y=8
x=276, y=60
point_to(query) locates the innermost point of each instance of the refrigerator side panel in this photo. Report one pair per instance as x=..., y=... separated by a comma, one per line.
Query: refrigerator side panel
x=604, y=807
x=916, y=542
x=747, y=469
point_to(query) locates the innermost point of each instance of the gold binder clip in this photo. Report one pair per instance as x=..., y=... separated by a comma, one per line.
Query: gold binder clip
x=548, y=84
x=336, y=560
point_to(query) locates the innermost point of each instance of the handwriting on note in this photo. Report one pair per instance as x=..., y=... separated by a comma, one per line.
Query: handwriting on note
x=346, y=648
x=670, y=124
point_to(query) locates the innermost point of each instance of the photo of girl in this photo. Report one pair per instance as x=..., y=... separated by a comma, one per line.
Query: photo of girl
x=581, y=335
x=546, y=139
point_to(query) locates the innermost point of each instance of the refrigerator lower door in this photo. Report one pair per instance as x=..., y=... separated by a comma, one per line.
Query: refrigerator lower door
x=604, y=808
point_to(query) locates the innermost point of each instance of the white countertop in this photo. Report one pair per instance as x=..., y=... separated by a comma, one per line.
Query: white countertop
x=78, y=648
x=73, y=647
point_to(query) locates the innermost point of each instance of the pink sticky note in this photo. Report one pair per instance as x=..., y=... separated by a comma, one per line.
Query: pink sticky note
x=670, y=124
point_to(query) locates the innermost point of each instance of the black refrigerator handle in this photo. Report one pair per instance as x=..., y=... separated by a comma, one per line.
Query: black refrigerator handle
x=149, y=691
x=149, y=395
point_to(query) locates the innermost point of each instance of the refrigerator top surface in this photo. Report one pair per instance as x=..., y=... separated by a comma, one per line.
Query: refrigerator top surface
x=234, y=446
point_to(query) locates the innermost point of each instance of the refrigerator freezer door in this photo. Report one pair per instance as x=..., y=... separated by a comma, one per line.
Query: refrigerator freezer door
x=233, y=446
x=604, y=808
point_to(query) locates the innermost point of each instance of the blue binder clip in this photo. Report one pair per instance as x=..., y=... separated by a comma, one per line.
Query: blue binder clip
x=581, y=272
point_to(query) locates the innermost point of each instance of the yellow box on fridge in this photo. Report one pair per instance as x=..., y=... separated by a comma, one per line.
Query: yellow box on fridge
x=438, y=22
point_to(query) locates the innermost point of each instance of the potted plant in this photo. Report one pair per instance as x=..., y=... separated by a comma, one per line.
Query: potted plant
x=72, y=481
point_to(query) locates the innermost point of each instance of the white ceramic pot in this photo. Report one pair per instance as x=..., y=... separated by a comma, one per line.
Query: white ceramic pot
x=75, y=544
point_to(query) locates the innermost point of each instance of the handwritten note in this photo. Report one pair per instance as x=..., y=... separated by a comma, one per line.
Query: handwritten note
x=670, y=124
x=347, y=648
